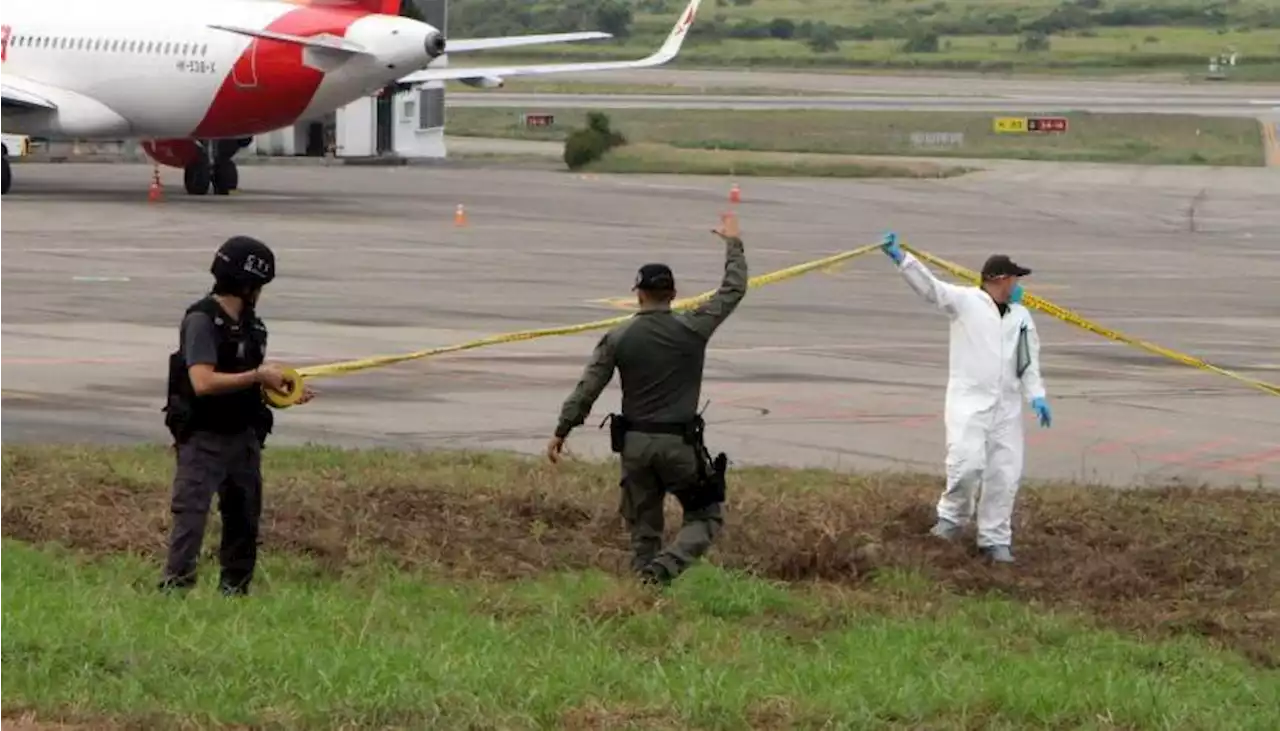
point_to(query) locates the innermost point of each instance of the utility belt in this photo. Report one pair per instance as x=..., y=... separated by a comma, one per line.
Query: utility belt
x=711, y=472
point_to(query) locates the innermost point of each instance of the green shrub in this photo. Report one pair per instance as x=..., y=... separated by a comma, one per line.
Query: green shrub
x=586, y=145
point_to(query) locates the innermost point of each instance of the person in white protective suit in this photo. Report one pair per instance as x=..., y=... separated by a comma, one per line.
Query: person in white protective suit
x=995, y=363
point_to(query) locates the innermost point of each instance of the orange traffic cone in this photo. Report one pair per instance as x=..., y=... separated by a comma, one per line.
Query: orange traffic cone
x=156, y=190
x=460, y=216
x=735, y=194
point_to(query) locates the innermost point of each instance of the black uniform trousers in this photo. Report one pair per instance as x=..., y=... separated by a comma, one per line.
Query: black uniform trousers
x=229, y=465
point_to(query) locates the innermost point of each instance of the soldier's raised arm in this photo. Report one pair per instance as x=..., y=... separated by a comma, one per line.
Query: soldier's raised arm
x=733, y=287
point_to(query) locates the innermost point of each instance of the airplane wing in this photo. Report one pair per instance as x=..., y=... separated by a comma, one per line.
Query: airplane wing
x=324, y=41
x=664, y=54
x=484, y=44
x=18, y=93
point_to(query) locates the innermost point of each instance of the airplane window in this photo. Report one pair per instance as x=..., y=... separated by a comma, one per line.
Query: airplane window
x=166, y=48
x=204, y=49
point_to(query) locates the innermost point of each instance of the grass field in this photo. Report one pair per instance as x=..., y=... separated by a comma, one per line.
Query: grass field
x=1132, y=138
x=664, y=159
x=984, y=35
x=457, y=590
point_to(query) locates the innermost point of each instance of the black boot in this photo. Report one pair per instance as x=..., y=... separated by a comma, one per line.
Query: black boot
x=655, y=574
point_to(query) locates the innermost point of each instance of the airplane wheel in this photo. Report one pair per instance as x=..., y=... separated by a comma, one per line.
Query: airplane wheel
x=195, y=178
x=226, y=177
x=8, y=178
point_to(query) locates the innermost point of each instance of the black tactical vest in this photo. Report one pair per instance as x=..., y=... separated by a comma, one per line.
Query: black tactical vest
x=240, y=348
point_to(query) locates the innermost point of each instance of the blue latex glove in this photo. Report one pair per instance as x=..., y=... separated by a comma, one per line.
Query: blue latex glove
x=1016, y=297
x=1042, y=410
x=890, y=247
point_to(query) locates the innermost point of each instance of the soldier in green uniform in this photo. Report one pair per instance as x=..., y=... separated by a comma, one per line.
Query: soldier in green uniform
x=660, y=354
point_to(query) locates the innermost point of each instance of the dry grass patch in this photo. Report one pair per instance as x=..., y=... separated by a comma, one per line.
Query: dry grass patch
x=1162, y=561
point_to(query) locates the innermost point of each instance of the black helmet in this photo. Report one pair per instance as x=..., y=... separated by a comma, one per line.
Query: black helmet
x=244, y=261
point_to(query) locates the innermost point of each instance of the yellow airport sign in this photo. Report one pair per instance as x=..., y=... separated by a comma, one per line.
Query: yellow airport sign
x=1010, y=124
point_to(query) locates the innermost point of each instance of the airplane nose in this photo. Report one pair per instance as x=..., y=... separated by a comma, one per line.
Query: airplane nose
x=434, y=44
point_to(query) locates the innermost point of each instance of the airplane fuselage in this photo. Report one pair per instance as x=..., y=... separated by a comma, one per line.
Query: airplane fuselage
x=156, y=69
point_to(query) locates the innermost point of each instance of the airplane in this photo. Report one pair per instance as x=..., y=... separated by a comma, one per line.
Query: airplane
x=195, y=80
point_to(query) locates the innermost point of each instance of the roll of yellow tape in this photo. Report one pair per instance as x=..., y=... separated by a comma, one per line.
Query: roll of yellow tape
x=284, y=399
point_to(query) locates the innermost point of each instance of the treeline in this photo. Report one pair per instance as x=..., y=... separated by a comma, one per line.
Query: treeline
x=1071, y=15
x=479, y=18
x=918, y=25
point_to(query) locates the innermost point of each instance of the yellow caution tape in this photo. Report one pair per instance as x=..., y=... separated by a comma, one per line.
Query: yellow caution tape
x=284, y=400
x=1066, y=315
x=290, y=396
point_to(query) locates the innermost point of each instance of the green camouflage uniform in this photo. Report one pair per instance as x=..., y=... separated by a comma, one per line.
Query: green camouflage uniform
x=659, y=354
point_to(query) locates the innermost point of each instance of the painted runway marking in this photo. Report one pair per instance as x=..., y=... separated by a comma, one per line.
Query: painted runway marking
x=1241, y=463
x=1188, y=454
x=1116, y=445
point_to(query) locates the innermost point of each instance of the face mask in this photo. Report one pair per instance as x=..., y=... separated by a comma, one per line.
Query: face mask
x=1016, y=296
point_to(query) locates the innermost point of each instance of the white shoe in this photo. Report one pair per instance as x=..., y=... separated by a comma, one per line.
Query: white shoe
x=945, y=529
x=999, y=554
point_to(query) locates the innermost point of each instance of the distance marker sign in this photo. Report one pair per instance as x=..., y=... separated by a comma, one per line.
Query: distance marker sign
x=1047, y=124
x=1018, y=125
x=1010, y=124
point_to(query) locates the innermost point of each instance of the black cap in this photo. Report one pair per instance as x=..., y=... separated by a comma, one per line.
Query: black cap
x=999, y=265
x=655, y=277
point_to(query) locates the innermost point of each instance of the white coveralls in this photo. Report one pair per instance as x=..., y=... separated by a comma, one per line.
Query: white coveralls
x=984, y=401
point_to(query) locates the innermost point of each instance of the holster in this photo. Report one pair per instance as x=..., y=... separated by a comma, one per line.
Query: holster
x=177, y=418
x=618, y=428
x=263, y=424
x=711, y=472
x=710, y=486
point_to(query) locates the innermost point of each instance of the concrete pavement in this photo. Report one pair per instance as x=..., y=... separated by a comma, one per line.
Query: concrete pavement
x=1030, y=103
x=841, y=369
x=880, y=83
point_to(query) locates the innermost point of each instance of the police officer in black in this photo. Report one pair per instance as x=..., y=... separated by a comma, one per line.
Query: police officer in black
x=218, y=418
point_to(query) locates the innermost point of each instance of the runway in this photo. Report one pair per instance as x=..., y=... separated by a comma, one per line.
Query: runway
x=842, y=370
x=906, y=93
x=1042, y=104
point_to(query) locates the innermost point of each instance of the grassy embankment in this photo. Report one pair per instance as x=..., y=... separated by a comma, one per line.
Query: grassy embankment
x=445, y=590
x=1104, y=37
x=1121, y=138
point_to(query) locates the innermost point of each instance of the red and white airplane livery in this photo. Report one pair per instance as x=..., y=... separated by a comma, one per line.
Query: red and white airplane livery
x=195, y=80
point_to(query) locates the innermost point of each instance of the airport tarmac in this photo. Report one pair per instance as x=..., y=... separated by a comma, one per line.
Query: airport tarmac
x=1008, y=104
x=843, y=370
x=881, y=83
x=905, y=92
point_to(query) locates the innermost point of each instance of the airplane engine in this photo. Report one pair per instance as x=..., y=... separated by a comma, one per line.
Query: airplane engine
x=174, y=153
x=483, y=82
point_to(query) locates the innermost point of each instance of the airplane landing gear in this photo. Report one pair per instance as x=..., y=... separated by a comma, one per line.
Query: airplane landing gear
x=215, y=169
x=195, y=178
x=226, y=177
